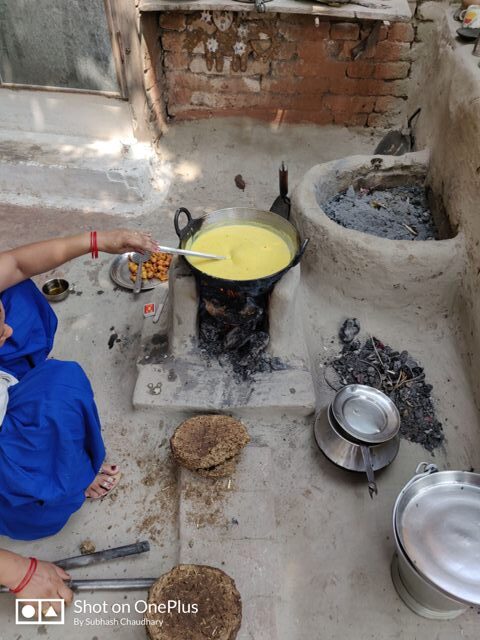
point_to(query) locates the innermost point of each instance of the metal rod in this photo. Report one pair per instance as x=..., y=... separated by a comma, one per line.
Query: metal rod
x=103, y=556
x=186, y=252
x=114, y=584
x=120, y=584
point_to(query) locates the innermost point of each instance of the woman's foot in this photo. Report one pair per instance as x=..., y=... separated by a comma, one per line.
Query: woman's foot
x=105, y=482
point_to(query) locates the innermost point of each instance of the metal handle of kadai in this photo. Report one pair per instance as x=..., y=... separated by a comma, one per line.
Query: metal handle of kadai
x=180, y=231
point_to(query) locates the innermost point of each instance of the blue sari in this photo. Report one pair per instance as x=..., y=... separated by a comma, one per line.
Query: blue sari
x=51, y=446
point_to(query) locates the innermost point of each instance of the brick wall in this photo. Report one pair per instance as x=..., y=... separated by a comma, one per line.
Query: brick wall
x=291, y=68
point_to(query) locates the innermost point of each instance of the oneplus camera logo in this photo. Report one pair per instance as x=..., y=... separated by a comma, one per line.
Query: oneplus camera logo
x=39, y=611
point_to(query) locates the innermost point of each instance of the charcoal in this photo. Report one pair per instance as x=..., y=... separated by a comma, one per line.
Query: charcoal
x=234, y=331
x=399, y=376
x=349, y=330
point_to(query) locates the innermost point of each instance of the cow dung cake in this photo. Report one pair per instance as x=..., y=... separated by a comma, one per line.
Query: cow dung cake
x=209, y=444
x=204, y=604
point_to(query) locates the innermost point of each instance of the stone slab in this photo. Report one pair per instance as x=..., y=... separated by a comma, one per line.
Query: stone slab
x=183, y=385
x=394, y=10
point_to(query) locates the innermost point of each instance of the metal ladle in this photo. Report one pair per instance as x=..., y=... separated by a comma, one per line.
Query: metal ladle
x=140, y=258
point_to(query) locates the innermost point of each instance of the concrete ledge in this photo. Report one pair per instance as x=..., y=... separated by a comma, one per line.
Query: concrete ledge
x=180, y=385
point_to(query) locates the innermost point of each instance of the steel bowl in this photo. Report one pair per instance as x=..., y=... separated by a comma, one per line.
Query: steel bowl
x=56, y=289
x=346, y=453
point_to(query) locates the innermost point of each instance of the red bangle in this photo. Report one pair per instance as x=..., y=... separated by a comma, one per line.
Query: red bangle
x=28, y=576
x=93, y=244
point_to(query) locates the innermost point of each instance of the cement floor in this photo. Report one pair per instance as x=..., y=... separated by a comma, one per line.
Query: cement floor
x=335, y=542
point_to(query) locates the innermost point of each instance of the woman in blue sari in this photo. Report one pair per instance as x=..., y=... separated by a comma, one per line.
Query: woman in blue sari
x=51, y=448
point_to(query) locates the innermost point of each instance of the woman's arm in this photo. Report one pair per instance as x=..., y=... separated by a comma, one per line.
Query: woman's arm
x=32, y=259
x=47, y=581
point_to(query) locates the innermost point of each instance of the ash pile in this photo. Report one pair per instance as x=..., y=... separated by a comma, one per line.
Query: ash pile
x=234, y=331
x=395, y=373
x=397, y=213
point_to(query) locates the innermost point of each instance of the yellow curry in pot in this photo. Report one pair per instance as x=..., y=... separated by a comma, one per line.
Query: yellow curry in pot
x=252, y=251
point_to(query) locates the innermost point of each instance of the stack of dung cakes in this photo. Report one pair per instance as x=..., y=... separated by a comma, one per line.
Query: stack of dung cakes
x=205, y=604
x=209, y=444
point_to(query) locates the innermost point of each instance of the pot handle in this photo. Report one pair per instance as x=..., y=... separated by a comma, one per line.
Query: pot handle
x=178, y=213
x=367, y=460
x=301, y=251
x=423, y=469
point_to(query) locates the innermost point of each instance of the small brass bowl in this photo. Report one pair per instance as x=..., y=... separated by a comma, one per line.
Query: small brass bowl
x=56, y=289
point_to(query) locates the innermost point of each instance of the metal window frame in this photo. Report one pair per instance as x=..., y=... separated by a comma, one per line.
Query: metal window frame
x=118, y=57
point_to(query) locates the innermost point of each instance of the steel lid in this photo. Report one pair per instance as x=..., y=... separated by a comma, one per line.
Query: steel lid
x=437, y=522
x=366, y=413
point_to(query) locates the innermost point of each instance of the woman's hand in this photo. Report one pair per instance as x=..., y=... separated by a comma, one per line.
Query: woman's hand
x=124, y=240
x=48, y=583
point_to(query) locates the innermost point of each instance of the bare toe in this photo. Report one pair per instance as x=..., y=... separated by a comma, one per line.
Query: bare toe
x=109, y=469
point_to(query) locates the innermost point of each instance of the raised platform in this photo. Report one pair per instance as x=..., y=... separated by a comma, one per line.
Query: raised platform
x=174, y=375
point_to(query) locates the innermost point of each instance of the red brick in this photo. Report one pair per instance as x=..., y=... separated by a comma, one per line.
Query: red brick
x=389, y=104
x=311, y=51
x=178, y=94
x=173, y=41
x=173, y=20
x=350, y=119
x=369, y=87
x=284, y=85
x=286, y=51
x=304, y=29
x=360, y=69
x=295, y=86
x=350, y=104
x=314, y=86
x=345, y=31
x=276, y=116
x=383, y=120
x=388, y=51
x=317, y=116
x=401, y=31
x=301, y=69
x=198, y=64
x=391, y=70
x=218, y=84
x=176, y=60
x=226, y=101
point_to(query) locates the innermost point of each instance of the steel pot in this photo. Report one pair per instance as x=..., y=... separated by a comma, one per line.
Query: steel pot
x=346, y=452
x=256, y=287
x=436, y=524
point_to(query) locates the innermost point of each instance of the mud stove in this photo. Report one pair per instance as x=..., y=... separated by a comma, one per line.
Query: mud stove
x=238, y=348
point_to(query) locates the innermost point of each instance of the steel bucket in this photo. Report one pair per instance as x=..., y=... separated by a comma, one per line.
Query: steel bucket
x=419, y=592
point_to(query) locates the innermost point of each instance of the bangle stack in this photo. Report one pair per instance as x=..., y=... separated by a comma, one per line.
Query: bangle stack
x=28, y=576
x=93, y=244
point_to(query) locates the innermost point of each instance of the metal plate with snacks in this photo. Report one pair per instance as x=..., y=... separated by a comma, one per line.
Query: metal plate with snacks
x=120, y=274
